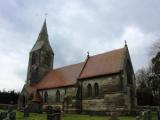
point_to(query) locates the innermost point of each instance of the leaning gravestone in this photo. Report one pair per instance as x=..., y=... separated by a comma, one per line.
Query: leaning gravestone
x=3, y=116
x=12, y=116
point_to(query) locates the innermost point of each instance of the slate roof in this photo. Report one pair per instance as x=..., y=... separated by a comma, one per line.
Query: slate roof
x=101, y=64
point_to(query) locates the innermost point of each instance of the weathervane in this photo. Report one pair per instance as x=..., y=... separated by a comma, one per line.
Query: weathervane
x=45, y=14
x=87, y=53
x=125, y=43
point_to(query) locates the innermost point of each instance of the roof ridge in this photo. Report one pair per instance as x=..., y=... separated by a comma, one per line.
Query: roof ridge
x=68, y=66
x=114, y=50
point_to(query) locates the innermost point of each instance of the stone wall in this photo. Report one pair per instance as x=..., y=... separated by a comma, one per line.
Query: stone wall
x=65, y=92
x=110, y=93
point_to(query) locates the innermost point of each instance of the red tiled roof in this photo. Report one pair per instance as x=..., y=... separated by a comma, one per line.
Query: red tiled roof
x=101, y=64
x=64, y=76
x=104, y=64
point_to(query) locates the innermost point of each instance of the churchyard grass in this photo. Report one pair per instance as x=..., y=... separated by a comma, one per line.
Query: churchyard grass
x=34, y=116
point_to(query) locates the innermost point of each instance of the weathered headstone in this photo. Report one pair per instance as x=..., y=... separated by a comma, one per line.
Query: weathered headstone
x=53, y=114
x=3, y=116
x=26, y=112
x=12, y=116
x=138, y=117
x=10, y=107
x=49, y=110
x=149, y=115
x=158, y=115
x=114, y=116
x=146, y=115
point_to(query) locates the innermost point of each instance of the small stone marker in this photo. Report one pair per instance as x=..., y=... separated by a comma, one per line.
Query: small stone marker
x=12, y=116
x=3, y=116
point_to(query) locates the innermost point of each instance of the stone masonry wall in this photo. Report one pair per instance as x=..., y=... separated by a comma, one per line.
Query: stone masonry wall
x=110, y=93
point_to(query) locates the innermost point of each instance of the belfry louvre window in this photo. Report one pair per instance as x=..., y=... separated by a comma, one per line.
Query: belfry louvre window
x=96, y=89
x=89, y=90
x=45, y=97
x=57, y=96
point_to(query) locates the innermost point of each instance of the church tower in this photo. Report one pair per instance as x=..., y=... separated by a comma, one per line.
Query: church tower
x=40, y=58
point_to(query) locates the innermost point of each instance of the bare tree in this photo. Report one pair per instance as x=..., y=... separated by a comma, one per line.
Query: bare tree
x=155, y=48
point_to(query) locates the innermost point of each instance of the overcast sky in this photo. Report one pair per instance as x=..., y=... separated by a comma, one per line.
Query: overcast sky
x=74, y=27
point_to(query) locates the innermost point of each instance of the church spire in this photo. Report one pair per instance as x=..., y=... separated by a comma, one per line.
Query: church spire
x=44, y=28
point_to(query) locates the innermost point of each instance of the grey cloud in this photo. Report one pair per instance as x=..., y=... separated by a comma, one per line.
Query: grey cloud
x=78, y=26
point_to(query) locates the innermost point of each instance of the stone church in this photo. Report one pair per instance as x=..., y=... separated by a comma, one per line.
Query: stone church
x=100, y=84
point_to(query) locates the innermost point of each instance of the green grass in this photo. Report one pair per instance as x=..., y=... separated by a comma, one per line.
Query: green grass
x=34, y=116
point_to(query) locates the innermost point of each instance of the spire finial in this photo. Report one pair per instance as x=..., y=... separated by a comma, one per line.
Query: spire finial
x=125, y=43
x=88, y=54
x=45, y=14
x=44, y=28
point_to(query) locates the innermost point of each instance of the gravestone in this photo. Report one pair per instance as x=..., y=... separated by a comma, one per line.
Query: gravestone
x=26, y=112
x=158, y=115
x=113, y=116
x=149, y=115
x=146, y=115
x=12, y=116
x=3, y=116
x=49, y=111
x=10, y=107
x=138, y=117
x=53, y=114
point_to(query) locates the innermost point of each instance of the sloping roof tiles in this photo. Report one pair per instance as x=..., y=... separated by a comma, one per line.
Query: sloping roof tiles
x=64, y=76
x=101, y=64
x=104, y=64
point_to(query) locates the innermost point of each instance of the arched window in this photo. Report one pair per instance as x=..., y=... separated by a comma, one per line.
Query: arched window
x=57, y=96
x=45, y=97
x=96, y=89
x=89, y=90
